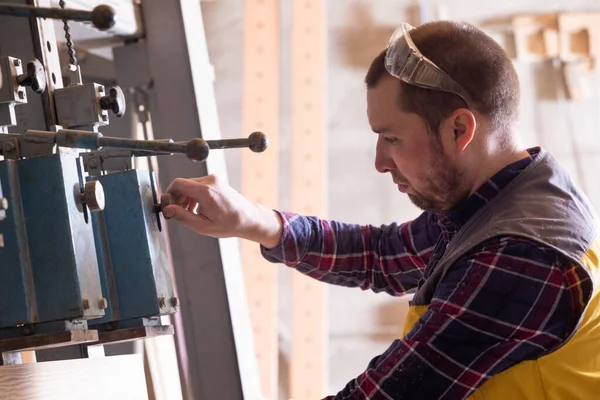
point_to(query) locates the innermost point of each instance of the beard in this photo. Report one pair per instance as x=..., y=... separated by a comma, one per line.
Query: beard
x=443, y=186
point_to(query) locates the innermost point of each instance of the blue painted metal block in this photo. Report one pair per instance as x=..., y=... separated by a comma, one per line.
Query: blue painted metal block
x=49, y=266
x=17, y=292
x=132, y=249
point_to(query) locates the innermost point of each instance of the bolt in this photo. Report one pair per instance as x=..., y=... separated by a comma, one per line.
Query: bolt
x=27, y=329
x=93, y=163
x=162, y=302
x=86, y=304
x=93, y=196
x=175, y=302
x=17, y=62
x=8, y=147
x=102, y=304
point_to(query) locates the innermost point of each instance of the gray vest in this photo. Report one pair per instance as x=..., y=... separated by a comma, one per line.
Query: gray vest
x=542, y=203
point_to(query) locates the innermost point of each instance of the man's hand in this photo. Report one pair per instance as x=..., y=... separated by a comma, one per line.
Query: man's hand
x=213, y=209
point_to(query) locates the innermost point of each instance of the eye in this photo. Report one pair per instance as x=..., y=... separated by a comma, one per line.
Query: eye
x=390, y=140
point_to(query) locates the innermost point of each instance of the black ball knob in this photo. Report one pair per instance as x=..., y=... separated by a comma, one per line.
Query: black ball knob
x=114, y=101
x=104, y=17
x=258, y=142
x=197, y=150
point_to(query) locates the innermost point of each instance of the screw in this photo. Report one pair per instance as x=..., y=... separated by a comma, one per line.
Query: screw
x=93, y=163
x=27, y=329
x=86, y=304
x=102, y=304
x=162, y=302
x=3, y=203
x=175, y=302
x=21, y=94
x=17, y=62
x=8, y=146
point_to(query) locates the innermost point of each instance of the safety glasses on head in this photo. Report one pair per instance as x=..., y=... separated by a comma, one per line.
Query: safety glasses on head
x=404, y=61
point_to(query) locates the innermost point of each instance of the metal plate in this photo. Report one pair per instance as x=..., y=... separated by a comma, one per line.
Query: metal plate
x=60, y=237
x=134, y=263
x=17, y=294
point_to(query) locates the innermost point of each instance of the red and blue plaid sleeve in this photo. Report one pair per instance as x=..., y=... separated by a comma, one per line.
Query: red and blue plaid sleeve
x=508, y=301
x=390, y=258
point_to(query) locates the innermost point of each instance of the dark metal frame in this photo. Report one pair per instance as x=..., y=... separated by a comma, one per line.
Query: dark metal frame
x=215, y=343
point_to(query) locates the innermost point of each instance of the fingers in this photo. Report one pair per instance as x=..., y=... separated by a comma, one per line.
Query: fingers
x=182, y=188
x=185, y=217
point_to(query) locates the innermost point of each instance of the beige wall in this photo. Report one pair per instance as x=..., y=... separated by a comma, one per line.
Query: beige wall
x=363, y=324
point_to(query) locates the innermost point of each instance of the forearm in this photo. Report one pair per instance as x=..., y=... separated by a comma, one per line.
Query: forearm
x=365, y=256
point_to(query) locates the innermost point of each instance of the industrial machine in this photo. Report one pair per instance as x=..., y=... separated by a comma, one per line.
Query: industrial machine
x=83, y=244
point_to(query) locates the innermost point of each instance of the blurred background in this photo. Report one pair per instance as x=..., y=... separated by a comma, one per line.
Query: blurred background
x=560, y=111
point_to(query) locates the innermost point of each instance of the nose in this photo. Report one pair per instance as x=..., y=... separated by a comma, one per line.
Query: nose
x=383, y=161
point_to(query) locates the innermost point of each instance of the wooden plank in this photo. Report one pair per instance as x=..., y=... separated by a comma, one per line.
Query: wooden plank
x=48, y=340
x=163, y=371
x=117, y=377
x=260, y=175
x=308, y=360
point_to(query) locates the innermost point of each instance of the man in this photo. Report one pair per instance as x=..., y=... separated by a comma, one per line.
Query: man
x=504, y=258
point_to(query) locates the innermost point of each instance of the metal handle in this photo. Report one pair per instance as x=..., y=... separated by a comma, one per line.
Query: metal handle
x=114, y=101
x=256, y=142
x=103, y=17
x=93, y=196
x=196, y=149
x=35, y=77
x=165, y=200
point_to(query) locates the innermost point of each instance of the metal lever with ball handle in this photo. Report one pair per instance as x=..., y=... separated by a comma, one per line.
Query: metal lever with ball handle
x=196, y=149
x=103, y=16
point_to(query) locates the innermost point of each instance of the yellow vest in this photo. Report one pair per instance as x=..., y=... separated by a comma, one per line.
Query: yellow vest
x=570, y=373
x=544, y=205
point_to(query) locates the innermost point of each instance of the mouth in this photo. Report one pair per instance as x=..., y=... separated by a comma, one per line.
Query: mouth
x=402, y=188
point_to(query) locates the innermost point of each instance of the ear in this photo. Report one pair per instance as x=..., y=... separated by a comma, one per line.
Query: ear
x=463, y=123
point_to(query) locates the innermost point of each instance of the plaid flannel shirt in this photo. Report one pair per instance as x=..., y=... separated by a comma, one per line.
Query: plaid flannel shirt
x=506, y=301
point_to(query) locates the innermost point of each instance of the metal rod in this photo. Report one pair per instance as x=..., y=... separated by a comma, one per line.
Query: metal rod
x=103, y=16
x=227, y=143
x=148, y=145
x=196, y=149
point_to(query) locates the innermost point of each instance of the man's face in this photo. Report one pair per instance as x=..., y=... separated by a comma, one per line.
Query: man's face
x=414, y=156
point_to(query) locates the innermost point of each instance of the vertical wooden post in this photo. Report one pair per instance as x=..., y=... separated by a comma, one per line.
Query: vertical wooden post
x=260, y=175
x=308, y=362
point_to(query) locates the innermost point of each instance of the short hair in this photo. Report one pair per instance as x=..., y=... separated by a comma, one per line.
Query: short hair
x=474, y=60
